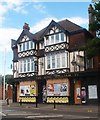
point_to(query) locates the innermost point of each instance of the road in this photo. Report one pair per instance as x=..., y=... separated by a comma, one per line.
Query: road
x=47, y=112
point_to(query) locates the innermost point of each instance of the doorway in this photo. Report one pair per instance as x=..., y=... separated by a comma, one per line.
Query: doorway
x=41, y=83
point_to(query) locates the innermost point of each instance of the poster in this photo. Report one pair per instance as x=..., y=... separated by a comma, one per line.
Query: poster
x=83, y=95
x=50, y=89
x=25, y=90
x=33, y=90
x=57, y=89
x=64, y=90
x=92, y=90
x=78, y=93
x=28, y=90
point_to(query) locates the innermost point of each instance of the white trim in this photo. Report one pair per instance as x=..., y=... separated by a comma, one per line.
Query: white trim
x=61, y=61
x=49, y=39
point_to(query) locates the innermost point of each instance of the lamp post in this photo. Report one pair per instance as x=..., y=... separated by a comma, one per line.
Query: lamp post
x=4, y=75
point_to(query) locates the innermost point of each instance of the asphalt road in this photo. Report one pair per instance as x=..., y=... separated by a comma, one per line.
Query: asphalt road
x=47, y=112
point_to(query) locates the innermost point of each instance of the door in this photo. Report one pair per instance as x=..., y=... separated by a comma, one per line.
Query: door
x=41, y=84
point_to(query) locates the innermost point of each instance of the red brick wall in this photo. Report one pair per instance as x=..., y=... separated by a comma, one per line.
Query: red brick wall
x=1, y=92
x=96, y=62
x=8, y=92
x=76, y=40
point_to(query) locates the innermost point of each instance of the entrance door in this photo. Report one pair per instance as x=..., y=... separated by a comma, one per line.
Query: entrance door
x=77, y=92
x=41, y=83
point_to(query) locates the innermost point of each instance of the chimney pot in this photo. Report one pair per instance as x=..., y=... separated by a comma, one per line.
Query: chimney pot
x=26, y=27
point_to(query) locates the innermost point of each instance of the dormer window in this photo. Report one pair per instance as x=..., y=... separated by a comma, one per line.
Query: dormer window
x=52, y=38
x=62, y=36
x=23, y=46
x=28, y=45
x=55, y=39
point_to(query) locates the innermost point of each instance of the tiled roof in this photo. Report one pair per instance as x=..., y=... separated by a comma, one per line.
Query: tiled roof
x=69, y=26
x=38, y=35
x=65, y=24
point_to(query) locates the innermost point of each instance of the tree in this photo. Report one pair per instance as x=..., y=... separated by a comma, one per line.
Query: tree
x=9, y=79
x=94, y=25
x=92, y=46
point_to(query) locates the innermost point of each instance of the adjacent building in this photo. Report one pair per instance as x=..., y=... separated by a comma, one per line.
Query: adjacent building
x=49, y=66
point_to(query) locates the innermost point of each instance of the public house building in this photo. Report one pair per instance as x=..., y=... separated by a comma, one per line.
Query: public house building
x=49, y=66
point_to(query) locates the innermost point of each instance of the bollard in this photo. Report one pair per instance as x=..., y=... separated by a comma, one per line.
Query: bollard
x=20, y=102
x=36, y=102
x=54, y=104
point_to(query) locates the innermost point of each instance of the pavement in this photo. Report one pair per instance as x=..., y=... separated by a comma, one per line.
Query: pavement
x=57, y=107
x=51, y=111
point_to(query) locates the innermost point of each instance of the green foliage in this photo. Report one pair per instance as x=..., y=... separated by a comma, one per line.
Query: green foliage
x=92, y=47
x=9, y=79
x=95, y=25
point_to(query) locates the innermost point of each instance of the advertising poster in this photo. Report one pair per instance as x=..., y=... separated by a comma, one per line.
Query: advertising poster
x=50, y=90
x=25, y=90
x=28, y=90
x=57, y=89
x=64, y=90
x=78, y=93
x=33, y=90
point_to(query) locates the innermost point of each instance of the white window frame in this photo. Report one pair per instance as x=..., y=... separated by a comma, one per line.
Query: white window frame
x=48, y=62
x=63, y=64
x=52, y=41
x=32, y=65
x=61, y=56
x=49, y=41
x=57, y=38
x=57, y=60
x=53, y=61
x=21, y=66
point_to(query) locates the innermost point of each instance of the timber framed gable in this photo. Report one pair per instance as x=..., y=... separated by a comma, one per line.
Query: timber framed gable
x=26, y=45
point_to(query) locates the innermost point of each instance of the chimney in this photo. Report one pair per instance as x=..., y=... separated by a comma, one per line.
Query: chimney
x=91, y=18
x=26, y=27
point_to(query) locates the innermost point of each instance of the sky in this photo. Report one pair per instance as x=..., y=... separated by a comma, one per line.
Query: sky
x=38, y=14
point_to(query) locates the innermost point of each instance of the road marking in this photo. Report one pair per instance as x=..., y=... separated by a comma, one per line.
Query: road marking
x=2, y=114
x=78, y=116
x=23, y=114
x=45, y=116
